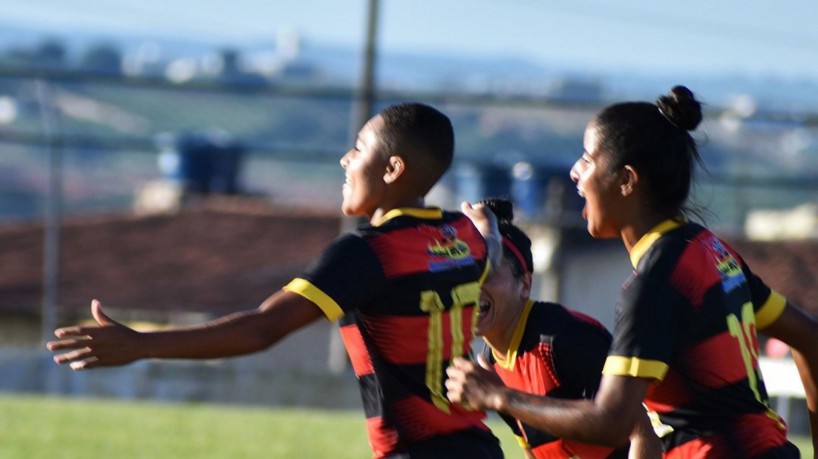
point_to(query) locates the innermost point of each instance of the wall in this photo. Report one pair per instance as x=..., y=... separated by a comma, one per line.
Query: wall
x=294, y=373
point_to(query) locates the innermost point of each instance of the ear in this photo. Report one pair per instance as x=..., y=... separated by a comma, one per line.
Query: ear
x=395, y=167
x=525, y=287
x=630, y=178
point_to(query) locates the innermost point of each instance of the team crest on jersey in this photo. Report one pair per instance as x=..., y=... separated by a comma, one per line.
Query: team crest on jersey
x=731, y=274
x=445, y=249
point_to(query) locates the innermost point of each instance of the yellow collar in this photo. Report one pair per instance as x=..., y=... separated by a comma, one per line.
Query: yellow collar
x=651, y=236
x=507, y=361
x=428, y=214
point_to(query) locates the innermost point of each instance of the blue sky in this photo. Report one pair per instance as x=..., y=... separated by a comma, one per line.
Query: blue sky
x=702, y=37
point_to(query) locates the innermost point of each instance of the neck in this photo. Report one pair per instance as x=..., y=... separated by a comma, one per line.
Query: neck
x=500, y=340
x=416, y=203
x=631, y=234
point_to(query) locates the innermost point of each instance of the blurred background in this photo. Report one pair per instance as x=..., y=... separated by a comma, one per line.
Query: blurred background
x=179, y=160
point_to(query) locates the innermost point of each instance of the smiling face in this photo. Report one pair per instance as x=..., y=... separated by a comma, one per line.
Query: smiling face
x=365, y=165
x=599, y=186
x=502, y=298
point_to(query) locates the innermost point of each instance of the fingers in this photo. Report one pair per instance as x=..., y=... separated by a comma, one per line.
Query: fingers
x=64, y=344
x=457, y=374
x=483, y=362
x=454, y=385
x=79, y=359
x=68, y=357
x=99, y=316
x=76, y=331
x=84, y=364
x=472, y=209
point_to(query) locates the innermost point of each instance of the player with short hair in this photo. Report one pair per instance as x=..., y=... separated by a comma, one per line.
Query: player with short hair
x=404, y=287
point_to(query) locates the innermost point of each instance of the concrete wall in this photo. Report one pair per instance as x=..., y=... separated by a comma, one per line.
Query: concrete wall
x=296, y=372
x=592, y=277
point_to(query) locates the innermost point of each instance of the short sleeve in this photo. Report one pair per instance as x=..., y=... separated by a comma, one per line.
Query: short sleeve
x=767, y=303
x=647, y=324
x=346, y=277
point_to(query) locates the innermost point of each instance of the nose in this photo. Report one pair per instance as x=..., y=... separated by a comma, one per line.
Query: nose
x=574, y=174
x=344, y=160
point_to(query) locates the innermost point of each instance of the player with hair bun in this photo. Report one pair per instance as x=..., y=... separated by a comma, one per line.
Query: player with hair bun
x=685, y=333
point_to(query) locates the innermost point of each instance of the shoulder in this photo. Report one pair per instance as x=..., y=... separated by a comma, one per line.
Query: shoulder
x=347, y=248
x=664, y=254
x=550, y=321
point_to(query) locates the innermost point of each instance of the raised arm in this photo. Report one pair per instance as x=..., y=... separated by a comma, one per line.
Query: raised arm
x=486, y=223
x=109, y=343
x=800, y=331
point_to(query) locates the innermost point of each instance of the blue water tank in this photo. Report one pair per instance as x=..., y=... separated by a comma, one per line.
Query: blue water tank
x=202, y=162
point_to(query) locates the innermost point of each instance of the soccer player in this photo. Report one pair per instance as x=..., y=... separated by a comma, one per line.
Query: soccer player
x=685, y=334
x=544, y=348
x=404, y=288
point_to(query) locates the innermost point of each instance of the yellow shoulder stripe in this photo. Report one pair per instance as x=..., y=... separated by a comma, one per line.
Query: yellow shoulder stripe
x=304, y=288
x=632, y=366
x=771, y=310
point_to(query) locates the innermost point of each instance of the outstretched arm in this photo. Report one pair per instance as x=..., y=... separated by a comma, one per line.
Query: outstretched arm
x=800, y=331
x=609, y=419
x=109, y=343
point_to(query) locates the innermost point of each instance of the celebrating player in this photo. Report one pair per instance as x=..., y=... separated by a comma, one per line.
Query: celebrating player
x=404, y=287
x=685, y=334
x=544, y=348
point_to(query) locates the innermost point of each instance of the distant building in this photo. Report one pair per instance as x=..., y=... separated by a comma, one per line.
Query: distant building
x=800, y=222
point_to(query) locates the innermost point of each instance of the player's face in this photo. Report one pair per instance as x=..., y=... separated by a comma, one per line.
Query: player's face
x=598, y=185
x=501, y=297
x=365, y=165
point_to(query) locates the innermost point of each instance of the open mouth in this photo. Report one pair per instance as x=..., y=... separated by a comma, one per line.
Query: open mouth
x=485, y=305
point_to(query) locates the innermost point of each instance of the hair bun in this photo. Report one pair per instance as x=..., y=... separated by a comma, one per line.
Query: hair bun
x=681, y=108
x=503, y=209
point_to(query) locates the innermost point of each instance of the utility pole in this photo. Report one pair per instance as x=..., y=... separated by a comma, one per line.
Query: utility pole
x=362, y=109
x=53, y=211
x=365, y=93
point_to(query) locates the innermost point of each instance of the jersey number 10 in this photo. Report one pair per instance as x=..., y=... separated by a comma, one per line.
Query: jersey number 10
x=430, y=302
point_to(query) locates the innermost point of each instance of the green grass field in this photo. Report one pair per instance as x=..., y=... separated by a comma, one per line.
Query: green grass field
x=38, y=428
x=33, y=427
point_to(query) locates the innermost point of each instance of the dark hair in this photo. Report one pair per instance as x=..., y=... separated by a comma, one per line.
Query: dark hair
x=516, y=245
x=423, y=135
x=654, y=140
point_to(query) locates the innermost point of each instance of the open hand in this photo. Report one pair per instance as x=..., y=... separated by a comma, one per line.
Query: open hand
x=108, y=343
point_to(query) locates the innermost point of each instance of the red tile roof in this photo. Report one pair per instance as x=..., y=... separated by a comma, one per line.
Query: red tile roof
x=790, y=267
x=225, y=254
x=219, y=255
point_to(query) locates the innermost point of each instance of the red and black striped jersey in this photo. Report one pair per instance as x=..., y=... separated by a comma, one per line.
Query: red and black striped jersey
x=687, y=318
x=405, y=291
x=557, y=352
